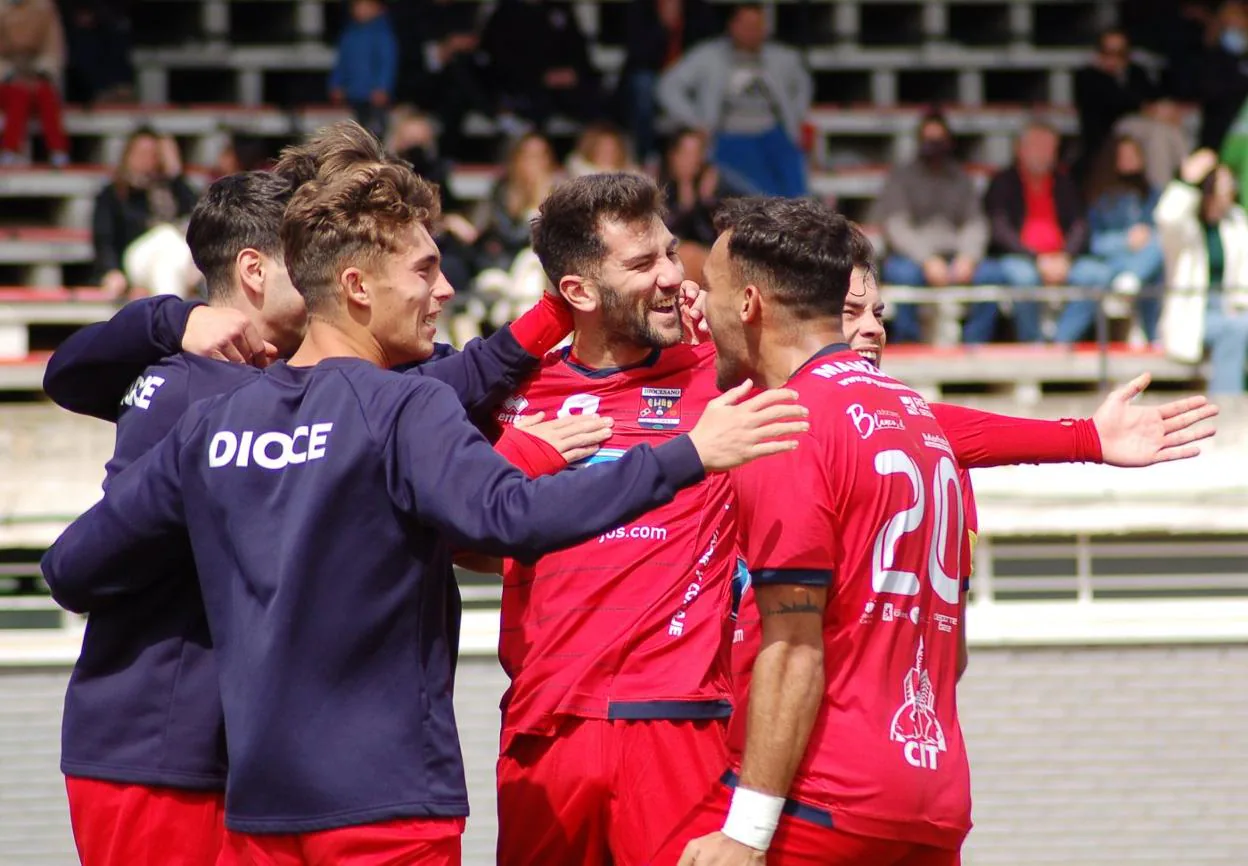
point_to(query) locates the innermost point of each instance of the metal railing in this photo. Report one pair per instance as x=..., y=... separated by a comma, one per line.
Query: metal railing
x=1009, y=572
x=948, y=301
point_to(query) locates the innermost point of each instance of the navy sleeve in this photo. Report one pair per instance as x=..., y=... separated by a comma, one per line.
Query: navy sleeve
x=109, y=550
x=484, y=374
x=444, y=472
x=90, y=372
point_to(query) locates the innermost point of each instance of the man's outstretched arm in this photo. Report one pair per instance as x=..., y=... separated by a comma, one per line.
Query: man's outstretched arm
x=1120, y=433
x=90, y=371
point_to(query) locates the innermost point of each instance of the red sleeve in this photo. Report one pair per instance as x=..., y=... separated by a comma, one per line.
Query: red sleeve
x=541, y=328
x=981, y=439
x=532, y=456
x=970, y=517
x=788, y=532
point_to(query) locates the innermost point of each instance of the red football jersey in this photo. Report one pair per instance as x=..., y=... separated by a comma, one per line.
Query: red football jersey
x=872, y=503
x=631, y=624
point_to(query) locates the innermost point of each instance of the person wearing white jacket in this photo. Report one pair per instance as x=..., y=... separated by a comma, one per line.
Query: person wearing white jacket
x=1204, y=236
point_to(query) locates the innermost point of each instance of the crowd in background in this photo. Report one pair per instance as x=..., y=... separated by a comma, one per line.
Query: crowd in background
x=714, y=107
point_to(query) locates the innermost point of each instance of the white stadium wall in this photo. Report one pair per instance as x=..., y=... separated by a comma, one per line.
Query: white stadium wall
x=1083, y=756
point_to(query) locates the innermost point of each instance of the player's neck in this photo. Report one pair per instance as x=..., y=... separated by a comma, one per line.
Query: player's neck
x=784, y=354
x=238, y=300
x=598, y=353
x=325, y=339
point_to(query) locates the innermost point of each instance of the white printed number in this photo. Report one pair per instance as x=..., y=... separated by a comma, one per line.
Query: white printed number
x=579, y=404
x=946, y=496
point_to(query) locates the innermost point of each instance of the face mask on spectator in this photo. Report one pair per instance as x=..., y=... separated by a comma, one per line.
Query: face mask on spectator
x=934, y=149
x=1235, y=40
x=1132, y=178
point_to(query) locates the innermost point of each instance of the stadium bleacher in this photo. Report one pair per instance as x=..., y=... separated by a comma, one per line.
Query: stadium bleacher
x=1109, y=613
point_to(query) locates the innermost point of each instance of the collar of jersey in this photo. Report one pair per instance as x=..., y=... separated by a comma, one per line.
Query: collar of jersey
x=590, y=373
x=830, y=349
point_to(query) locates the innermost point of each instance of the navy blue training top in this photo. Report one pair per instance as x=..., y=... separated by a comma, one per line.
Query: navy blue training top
x=322, y=505
x=143, y=705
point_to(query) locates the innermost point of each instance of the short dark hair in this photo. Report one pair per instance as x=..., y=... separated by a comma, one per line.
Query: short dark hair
x=567, y=231
x=361, y=214
x=800, y=251
x=237, y=212
x=332, y=150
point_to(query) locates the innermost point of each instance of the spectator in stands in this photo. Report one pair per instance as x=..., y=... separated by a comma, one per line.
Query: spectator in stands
x=1159, y=130
x=539, y=64
x=1184, y=31
x=512, y=278
x=100, y=69
x=694, y=187
x=934, y=227
x=1039, y=230
x=243, y=153
x=600, y=149
x=438, y=66
x=139, y=225
x=367, y=66
x=530, y=173
x=32, y=59
x=1205, y=238
x=1222, y=85
x=1123, y=233
x=659, y=33
x=751, y=96
x=415, y=140
x=1109, y=88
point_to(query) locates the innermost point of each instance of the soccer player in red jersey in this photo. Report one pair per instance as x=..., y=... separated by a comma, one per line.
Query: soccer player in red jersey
x=618, y=649
x=880, y=512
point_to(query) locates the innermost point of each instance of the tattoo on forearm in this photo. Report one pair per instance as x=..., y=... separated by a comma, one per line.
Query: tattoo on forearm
x=800, y=605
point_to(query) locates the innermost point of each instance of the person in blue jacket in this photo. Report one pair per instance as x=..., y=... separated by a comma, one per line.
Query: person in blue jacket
x=1124, y=234
x=367, y=67
x=322, y=500
x=143, y=730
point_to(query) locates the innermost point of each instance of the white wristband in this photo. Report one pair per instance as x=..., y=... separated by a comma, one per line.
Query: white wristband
x=752, y=818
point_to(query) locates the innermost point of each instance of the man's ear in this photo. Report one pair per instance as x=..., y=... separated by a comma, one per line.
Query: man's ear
x=250, y=265
x=356, y=286
x=751, y=305
x=580, y=293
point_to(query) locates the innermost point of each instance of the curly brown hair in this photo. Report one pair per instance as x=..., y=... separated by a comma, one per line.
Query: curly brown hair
x=331, y=151
x=356, y=217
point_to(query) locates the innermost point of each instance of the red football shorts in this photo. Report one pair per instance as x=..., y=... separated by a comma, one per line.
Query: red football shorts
x=798, y=841
x=118, y=824
x=405, y=842
x=603, y=791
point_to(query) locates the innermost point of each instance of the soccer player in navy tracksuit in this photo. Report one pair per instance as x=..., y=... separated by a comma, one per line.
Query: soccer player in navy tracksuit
x=142, y=740
x=322, y=499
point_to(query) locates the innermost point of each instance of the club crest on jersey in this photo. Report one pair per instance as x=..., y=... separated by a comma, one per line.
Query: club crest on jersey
x=660, y=408
x=915, y=725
